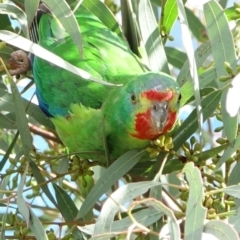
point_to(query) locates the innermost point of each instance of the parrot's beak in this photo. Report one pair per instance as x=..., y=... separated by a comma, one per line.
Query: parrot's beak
x=159, y=114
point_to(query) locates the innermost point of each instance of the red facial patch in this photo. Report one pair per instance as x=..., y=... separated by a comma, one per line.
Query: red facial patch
x=172, y=116
x=146, y=130
x=143, y=126
x=154, y=95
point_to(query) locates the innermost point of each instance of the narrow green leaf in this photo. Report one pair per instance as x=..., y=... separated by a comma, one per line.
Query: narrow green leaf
x=170, y=14
x=221, y=230
x=195, y=213
x=3, y=223
x=120, y=167
x=67, y=208
x=66, y=205
x=62, y=168
x=201, y=54
x=203, y=156
x=196, y=26
x=11, y=146
x=40, y=179
x=22, y=206
x=175, y=57
x=145, y=217
x=21, y=120
x=37, y=227
x=64, y=14
x=234, y=146
x=189, y=126
x=188, y=45
x=220, y=37
x=223, y=50
x=151, y=37
x=234, y=177
x=232, y=191
x=112, y=205
x=203, y=93
x=208, y=78
x=31, y=7
x=100, y=10
x=31, y=219
x=27, y=45
x=186, y=92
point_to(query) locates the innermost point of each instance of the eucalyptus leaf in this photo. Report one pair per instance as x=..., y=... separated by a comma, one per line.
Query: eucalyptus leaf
x=234, y=146
x=195, y=213
x=170, y=15
x=223, y=50
x=221, y=230
x=31, y=8
x=188, y=45
x=151, y=37
x=68, y=208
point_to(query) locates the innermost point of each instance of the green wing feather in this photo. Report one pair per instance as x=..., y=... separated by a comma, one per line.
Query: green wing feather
x=105, y=55
x=82, y=131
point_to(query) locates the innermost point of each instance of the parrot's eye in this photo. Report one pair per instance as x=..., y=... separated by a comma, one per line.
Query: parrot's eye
x=133, y=98
x=179, y=97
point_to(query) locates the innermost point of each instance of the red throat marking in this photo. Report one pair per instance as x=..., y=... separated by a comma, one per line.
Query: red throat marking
x=145, y=129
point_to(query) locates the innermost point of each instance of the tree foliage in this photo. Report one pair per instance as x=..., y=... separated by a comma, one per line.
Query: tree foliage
x=191, y=187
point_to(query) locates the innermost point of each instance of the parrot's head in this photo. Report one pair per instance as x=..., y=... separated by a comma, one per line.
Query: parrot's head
x=149, y=105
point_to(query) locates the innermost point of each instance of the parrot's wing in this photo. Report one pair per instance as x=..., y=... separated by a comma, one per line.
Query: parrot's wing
x=82, y=132
x=105, y=56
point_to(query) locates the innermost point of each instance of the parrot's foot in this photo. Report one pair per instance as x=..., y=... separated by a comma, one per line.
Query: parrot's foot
x=162, y=143
x=19, y=63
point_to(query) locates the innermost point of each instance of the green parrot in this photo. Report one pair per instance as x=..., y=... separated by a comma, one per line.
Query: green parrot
x=91, y=117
